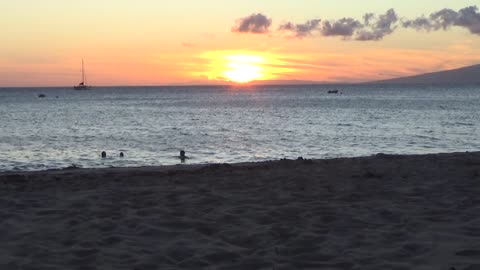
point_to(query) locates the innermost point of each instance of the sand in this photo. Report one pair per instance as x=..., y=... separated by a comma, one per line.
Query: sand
x=379, y=212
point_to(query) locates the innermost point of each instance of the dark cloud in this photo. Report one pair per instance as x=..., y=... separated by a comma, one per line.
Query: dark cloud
x=255, y=23
x=377, y=30
x=468, y=17
x=301, y=30
x=367, y=18
x=421, y=23
x=443, y=18
x=371, y=28
x=287, y=27
x=344, y=27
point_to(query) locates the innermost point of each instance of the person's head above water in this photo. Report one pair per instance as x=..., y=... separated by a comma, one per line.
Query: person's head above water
x=104, y=154
x=182, y=154
x=121, y=154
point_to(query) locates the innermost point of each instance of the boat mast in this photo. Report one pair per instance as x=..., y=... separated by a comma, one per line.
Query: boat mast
x=83, y=74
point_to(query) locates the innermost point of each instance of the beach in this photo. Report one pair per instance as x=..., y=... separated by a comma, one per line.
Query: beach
x=376, y=212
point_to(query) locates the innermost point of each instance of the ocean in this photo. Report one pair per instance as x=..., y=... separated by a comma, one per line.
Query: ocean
x=216, y=124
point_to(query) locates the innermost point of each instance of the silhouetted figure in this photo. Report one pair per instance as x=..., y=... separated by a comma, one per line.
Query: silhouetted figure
x=121, y=154
x=104, y=154
x=182, y=156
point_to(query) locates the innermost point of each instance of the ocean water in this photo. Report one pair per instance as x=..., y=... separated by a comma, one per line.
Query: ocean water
x=231, y=124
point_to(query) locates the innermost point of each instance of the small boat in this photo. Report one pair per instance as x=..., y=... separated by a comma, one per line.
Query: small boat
x=83, y=85
x=335, y=91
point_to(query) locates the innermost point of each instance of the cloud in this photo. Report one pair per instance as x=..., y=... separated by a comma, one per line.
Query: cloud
x=421, y=23
x=443, y=18
x=372, y=28
x=255, y=23
x=345, y=27
x=468, y=18
x=384, y=25
x=301, y=30
x=367, y=18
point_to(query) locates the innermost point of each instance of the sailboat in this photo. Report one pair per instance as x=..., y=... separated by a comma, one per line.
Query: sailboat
x=83, y=85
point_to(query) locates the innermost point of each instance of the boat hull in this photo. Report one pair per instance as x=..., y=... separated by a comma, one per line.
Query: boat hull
x=82, y=87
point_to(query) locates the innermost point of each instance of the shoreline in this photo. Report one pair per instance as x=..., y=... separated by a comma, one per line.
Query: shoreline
x=189, y=167
x=375, y=212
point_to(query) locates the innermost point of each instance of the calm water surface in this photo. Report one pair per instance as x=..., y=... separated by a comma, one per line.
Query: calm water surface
x=231, y=124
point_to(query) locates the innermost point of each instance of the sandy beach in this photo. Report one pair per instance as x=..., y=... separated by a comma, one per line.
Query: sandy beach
x=378, y=212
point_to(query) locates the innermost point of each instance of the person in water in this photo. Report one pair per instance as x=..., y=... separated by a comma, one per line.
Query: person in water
x=121, y=154
x=104, y=154
x=182, y=156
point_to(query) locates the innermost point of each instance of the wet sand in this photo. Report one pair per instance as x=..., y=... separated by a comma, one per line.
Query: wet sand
x=379, y=212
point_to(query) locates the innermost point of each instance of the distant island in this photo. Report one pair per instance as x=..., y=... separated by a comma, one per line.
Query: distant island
x=284, y=82
x=470, y=74
x=256, y=82
x=464, y=75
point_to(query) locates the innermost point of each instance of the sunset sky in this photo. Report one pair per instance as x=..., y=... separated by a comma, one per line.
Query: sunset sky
x=152, y=42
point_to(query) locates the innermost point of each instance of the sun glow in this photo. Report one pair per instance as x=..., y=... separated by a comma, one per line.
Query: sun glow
x=243, y=66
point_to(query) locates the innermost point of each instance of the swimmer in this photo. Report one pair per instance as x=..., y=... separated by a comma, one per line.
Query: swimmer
x=182, y=156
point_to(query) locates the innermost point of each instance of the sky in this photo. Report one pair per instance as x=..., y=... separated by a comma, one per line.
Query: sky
x=161, y=42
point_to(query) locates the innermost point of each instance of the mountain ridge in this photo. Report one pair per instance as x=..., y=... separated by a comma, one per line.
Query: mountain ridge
x=468, y=74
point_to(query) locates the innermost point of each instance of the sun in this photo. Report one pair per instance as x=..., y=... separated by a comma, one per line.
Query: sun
x=243, y=68
x=243, y=73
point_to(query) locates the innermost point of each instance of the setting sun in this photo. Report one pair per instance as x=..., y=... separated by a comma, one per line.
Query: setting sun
x=244, y=68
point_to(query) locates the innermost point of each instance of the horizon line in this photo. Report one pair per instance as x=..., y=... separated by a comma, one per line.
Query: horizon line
x=258, y=83
x=245, y=85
